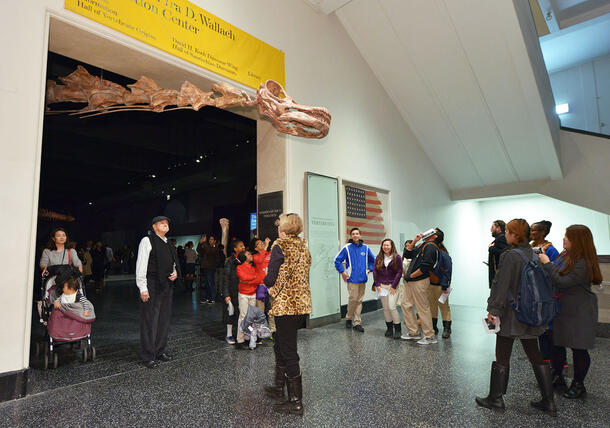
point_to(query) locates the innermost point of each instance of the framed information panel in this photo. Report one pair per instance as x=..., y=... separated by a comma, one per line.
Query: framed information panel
x=323, y=237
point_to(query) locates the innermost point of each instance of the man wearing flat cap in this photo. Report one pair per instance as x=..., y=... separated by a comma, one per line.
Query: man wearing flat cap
x=156, y=270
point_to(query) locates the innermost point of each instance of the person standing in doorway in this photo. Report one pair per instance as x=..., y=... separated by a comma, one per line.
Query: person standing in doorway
x=87, y=260
x=190, y=257
x=157, y=268
x=359, y=262
x=231, y=286
x=208, y=253
x=98, y=256
x=496, y=248
x=417, y=281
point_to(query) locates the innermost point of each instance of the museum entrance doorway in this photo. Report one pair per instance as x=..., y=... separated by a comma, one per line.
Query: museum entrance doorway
x=102, y=179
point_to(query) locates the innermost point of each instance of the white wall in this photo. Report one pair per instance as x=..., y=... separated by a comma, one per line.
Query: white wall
x=368, y=142
x=584, y=87
x=467, y=236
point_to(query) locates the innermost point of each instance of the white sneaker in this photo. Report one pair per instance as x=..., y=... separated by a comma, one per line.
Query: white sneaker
x=409, y=337
x=427, y=341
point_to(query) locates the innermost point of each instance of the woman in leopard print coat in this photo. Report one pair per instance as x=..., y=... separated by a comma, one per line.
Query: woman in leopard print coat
x=288, y=282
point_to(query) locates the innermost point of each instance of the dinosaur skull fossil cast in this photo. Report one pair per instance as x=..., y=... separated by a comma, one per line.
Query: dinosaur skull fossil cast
x=103, y=97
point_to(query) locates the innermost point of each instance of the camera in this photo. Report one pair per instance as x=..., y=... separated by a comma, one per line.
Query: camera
x=428, y=233
x=537, y=250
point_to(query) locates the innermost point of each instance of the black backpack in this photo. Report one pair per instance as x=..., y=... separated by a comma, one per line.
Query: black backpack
x=535, y=304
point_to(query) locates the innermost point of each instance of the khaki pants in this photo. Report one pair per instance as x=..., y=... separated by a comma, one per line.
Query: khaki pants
x=244, y=300
x=389, y=305
x=434, y=292
x=416, y=294
x=354, y=304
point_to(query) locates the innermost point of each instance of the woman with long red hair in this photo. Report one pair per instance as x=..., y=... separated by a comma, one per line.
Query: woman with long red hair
x=572, y=274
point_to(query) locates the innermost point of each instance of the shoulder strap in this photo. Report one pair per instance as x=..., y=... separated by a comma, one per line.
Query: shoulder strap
x=524, y=257
x=69, y=256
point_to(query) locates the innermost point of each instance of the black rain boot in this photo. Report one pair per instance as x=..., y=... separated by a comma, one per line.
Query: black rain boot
x=276, y=391
x=446, y=329
x=497, y=386
x=397, y=331
x=434, y=322
x=545, y=382
x=559, y=381
x=577, y=390
x=389, y=332
x=294, y=404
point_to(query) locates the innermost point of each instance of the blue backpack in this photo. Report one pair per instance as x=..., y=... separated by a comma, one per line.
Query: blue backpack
x=535, y=304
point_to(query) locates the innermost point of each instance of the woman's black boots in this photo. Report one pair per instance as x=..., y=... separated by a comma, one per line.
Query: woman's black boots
x=577, y=390
x=294, y=404
x=397, y=331
x=276, y=391
x=497, y=387
x=545, y=382
x=446, y=329
x=389, y=332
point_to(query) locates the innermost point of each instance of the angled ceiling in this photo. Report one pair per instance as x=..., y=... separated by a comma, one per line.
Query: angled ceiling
x=460, y=74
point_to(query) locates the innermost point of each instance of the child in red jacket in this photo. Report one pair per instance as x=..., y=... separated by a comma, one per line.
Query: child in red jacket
x=249, y=279
x=261, y=258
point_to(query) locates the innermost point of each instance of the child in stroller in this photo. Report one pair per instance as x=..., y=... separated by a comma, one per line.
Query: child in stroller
x=68, y=316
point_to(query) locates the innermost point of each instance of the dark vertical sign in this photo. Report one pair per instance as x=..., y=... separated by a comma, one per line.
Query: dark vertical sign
x=270, y=206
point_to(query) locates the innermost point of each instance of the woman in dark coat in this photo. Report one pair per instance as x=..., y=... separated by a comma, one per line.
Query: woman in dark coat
x=574, y=326
x=508, y=282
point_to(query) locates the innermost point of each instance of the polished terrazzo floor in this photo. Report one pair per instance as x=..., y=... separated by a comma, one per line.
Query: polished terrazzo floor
x=350, y=379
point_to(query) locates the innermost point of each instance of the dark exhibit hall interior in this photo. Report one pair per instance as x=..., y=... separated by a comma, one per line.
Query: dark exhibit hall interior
x=104, y=177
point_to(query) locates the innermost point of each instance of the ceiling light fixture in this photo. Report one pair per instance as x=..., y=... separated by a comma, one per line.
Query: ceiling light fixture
x=562, y=108
x=198, y=161
x=169, y=197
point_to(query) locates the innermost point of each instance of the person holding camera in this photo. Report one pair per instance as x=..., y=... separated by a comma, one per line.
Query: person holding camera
x=507, y=282
x=572, y=274
x=417, y=281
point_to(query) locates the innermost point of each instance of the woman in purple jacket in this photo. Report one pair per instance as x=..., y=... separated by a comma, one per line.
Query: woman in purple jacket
x=386, y=276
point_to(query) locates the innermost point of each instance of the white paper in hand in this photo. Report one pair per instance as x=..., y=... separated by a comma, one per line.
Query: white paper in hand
x=231, y=309
x=383, y=292
x=444, y=296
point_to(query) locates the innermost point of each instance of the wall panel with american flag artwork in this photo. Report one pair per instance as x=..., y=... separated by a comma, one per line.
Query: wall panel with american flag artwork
x=367, y=209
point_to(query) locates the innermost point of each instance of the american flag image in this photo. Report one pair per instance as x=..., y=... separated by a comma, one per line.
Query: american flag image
x=364, y=210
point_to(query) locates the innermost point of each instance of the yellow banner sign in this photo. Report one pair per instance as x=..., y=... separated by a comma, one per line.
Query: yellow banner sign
x=185, y=30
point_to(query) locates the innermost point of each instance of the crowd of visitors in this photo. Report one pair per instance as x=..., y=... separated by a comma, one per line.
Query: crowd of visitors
x=274, y=278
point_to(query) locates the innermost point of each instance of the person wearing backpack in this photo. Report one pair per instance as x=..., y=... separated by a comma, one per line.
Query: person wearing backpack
x=505, y=288
x=417, y=281
x=572, y=274
x=440, y=280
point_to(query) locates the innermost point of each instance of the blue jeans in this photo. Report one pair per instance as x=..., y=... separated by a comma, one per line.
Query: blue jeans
x=210, y=286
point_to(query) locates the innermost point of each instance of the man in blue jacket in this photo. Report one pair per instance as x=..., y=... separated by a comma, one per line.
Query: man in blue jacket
x=359, y=261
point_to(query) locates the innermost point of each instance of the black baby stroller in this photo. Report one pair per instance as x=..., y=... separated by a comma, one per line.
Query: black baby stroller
x=69, y=325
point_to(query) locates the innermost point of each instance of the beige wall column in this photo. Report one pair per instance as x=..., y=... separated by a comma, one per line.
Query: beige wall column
x=270, y=159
